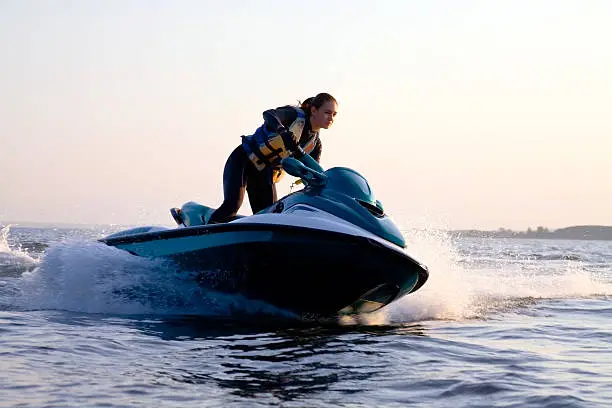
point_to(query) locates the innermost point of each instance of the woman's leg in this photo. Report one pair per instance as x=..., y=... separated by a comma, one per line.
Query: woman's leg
x=261, y=190
x=234, y=183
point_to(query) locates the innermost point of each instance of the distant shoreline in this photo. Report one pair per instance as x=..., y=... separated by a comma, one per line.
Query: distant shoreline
x=579, y=232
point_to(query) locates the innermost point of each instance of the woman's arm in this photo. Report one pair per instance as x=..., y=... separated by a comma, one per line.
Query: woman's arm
x=279, y=118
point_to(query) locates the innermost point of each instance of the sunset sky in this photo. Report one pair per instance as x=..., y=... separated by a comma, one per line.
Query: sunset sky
x=461, y=114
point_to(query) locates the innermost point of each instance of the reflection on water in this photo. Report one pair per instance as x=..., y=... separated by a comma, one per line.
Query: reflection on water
x=281, y=359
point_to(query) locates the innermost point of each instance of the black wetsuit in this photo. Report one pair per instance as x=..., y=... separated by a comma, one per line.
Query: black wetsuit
x=240, y=173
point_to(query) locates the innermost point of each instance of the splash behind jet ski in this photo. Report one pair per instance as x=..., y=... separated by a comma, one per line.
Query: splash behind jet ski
x=328, y=249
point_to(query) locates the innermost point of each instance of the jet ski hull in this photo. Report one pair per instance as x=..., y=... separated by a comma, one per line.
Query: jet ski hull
x=303, y=270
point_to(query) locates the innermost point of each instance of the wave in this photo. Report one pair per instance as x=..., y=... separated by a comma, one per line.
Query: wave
x=90, y=277
x=543, y=256
x=457, y=289
x=13, y=261
x=33, y=247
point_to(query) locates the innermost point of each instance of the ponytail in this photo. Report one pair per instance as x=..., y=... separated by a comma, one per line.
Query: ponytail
x=306, y=105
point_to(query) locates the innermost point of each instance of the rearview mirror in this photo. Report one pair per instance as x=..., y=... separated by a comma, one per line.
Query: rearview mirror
x=293, y=166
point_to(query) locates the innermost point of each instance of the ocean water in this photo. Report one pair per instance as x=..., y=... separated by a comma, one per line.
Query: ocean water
x=501, y=322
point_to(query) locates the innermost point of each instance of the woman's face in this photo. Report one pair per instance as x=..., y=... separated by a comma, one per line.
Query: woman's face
x=323, y=117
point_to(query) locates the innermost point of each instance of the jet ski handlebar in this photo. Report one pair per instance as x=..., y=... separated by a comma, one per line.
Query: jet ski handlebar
x=308, y=175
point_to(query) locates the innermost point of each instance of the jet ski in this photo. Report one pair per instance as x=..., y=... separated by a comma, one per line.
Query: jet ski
x=325, y=250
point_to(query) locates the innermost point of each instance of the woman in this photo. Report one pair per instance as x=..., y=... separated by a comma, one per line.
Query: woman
x=255, y=166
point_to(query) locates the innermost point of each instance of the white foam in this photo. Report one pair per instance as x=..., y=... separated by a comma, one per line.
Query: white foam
x=92, y=277
x=5, y=247
x=447, y=293
x=457, y=289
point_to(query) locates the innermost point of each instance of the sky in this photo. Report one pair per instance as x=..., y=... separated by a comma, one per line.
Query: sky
x=461, y=114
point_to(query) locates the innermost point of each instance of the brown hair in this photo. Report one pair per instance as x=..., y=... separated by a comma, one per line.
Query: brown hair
x=316, y=101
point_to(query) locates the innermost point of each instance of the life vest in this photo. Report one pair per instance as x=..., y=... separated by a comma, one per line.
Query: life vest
x=265, y=148
x=278, y=172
